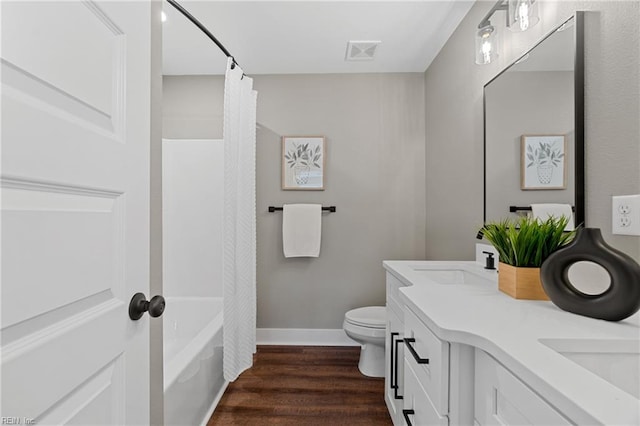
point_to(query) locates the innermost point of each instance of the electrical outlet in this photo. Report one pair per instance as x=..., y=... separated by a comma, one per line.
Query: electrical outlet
x=626, y=215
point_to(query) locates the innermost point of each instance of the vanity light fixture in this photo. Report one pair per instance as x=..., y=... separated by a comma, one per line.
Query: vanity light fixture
x=520, y=16
x=486, y=50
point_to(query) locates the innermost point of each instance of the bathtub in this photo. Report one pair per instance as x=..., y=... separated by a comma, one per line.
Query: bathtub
x=193, y=379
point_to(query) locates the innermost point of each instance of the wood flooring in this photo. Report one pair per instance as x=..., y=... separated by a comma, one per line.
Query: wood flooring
x=303, y=385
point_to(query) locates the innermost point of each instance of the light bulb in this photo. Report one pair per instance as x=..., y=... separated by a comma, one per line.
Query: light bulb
x=485, y=45
x=486, y=50
x=522, y=14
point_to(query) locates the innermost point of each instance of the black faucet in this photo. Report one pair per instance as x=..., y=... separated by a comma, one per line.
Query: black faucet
x=490, y=260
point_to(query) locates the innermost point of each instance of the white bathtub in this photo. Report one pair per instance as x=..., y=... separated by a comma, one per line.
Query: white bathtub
x=193, y=379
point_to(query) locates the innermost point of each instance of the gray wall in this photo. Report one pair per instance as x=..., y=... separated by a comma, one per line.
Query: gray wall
x=375, y=175
x=525, y=103
x=192, y=107
x=454, y=125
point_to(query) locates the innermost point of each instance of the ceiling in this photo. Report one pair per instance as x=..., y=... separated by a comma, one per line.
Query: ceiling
x=292, y=37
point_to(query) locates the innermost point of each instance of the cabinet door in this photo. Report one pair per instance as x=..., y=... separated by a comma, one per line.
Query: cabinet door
x=429, y=358
x=418, y=408
x=502, y=399
x=394, y=357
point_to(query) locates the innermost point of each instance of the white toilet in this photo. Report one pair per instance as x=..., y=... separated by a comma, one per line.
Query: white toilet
x=367, y=326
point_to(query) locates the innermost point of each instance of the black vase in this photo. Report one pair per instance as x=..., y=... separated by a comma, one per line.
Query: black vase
x=619, y=301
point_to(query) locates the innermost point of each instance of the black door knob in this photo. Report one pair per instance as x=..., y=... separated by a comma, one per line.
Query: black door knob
x=139, y=305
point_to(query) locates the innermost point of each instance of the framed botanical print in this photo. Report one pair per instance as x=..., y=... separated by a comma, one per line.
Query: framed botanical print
x=303, y=162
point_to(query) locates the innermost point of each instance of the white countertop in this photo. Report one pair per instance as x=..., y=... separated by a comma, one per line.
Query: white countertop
x=508, y=329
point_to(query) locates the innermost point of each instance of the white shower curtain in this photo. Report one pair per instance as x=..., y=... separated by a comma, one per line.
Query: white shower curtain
x=239, y=270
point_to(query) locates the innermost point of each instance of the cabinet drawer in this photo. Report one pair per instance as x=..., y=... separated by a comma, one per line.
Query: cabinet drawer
x=417, y=405
x=421, y=345
x=502, y=399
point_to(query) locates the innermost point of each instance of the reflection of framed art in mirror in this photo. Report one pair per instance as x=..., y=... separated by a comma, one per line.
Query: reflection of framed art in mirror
x=542, y=164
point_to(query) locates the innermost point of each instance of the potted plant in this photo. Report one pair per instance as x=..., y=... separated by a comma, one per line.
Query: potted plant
x=546, y=157
x=301, y=158
x=523, y=245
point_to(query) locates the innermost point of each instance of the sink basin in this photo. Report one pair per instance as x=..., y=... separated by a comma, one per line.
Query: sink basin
x=451, y=276
x=616, y=361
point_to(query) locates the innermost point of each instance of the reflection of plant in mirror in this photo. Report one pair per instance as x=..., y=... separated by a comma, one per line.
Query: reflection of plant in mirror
x=546, y=154
x=303, y=155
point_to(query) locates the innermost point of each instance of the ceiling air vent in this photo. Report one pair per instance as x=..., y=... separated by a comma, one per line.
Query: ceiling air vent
x=361, y=50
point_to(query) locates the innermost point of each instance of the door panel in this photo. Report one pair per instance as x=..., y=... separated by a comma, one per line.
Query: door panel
x=72, y=235
x=85, y=64
x=75, y=208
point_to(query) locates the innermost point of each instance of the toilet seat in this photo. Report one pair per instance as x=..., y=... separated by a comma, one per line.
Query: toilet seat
x=369, y=316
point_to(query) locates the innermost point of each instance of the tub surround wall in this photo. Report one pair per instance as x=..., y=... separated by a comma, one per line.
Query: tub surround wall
x=454, y=125
x=192, y=217
x=374, y=125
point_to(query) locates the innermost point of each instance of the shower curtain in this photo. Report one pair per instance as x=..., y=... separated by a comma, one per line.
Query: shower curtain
x=239, y=268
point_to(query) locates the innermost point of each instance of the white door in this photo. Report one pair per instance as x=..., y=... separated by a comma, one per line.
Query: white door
x=75, y=211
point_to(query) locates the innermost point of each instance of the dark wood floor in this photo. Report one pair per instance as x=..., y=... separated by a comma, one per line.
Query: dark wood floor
x=303, y=385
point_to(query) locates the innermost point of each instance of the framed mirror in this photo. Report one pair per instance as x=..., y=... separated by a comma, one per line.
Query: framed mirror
x=534, y=128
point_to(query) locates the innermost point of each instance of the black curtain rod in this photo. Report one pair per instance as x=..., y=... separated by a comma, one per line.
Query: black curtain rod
x=204, y=29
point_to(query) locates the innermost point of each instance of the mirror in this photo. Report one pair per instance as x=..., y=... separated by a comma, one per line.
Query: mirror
x=534, y=128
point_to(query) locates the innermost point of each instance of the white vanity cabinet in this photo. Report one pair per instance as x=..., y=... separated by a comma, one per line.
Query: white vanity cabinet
x=420, y=393
x=394, y=351
x=459, y=352
x=501, y=399
x=426, y=374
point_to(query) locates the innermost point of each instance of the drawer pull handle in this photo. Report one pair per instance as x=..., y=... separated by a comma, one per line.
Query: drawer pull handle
x=392, y=382
x=406, y=414
x=395, y=367
x=419, y=360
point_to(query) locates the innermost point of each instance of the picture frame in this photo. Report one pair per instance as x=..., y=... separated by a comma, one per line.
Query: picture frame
x=543, y=164
x=303, y=161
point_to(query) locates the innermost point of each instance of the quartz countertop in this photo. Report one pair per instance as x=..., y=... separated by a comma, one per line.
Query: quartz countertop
x=511, y=331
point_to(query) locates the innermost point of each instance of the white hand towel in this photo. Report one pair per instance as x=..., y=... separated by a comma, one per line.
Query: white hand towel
x=301, y=230
x=543, y=211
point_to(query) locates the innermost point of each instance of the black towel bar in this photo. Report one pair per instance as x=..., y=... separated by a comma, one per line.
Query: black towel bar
x=330, y=209
x=514, y=209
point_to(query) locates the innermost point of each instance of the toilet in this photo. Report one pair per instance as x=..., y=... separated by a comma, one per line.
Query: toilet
x=367, y=326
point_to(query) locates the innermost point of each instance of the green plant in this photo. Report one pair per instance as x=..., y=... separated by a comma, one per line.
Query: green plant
x=303, y=154
x=527, y=241
x=544, y=154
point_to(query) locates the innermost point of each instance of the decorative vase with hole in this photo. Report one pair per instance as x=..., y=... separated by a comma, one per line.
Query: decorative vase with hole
x=622, y=297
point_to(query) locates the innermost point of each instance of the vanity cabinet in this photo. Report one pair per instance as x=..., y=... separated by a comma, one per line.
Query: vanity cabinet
x=460, y=352
x=502, y=399
x=394, y=351
x=426, y=374
x=418, y=393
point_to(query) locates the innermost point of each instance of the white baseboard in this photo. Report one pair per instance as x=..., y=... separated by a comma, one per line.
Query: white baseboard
x=303, y=337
